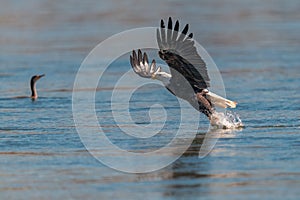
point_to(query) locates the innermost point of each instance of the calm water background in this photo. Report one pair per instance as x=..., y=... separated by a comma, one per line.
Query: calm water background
x=256, y=46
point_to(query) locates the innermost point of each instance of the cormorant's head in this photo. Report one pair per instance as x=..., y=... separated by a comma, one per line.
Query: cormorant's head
x=36, y=77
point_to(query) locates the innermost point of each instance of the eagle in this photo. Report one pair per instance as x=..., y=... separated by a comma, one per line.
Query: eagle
x=188, y=78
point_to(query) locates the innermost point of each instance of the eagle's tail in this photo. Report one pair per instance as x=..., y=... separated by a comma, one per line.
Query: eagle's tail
x=220, y=101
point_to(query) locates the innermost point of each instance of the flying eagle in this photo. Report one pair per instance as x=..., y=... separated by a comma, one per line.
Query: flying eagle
x=189, y=79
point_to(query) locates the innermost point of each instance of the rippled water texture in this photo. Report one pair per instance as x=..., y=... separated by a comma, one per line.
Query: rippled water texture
x=256, y=46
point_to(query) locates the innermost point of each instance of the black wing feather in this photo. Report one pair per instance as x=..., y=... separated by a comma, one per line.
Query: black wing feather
x=179, y=52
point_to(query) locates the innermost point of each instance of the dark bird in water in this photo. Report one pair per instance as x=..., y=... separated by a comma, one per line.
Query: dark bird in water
x=34, y=94
x=33, y=81
x=188, y=78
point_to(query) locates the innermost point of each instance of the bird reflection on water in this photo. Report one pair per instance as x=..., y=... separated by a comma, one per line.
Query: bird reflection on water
x=187, y=167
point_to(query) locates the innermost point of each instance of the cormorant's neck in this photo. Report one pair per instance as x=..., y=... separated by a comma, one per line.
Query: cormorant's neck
x=33, y=90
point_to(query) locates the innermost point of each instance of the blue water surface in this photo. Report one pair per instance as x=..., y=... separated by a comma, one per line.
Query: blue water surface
x=255, y=45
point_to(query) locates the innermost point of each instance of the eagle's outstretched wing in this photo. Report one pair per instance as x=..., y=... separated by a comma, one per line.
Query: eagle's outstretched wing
x=178, y=51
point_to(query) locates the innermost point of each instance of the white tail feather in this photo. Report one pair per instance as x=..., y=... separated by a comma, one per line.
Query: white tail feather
x=220, y=101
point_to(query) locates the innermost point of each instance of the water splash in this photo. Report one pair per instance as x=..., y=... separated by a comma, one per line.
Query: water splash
x=227, y=120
